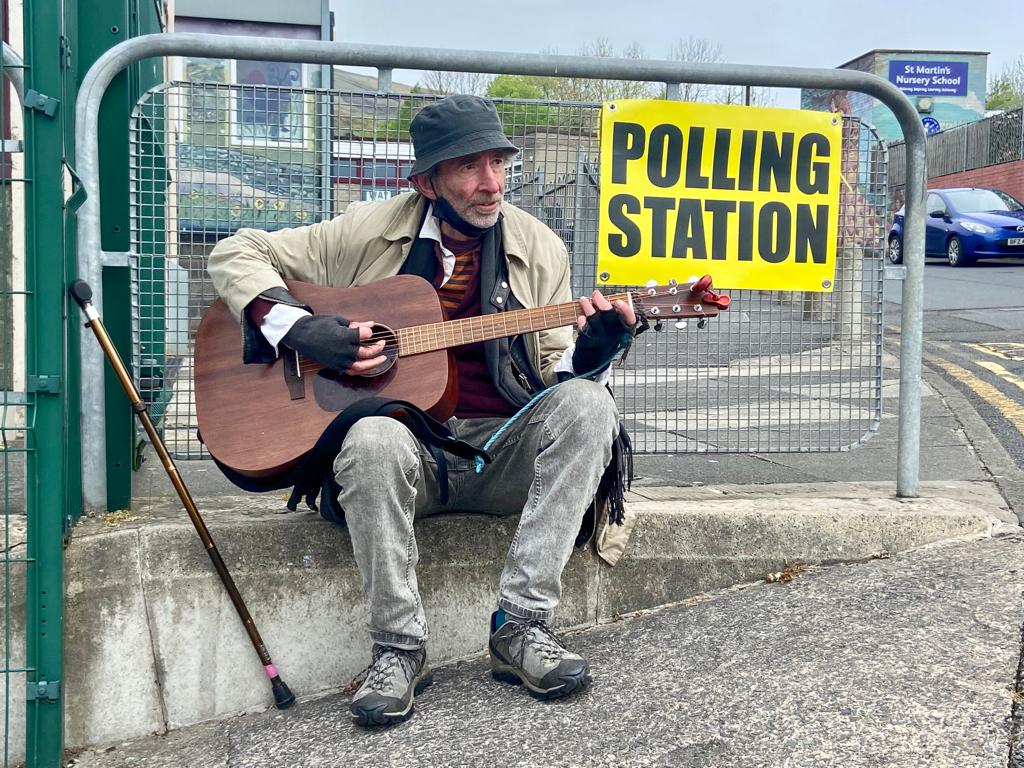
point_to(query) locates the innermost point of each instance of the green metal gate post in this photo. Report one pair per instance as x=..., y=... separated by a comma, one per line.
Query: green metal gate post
x=49, y=112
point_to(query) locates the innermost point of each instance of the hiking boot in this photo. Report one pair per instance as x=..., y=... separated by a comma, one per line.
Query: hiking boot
x=527, y=652
x=391, y=681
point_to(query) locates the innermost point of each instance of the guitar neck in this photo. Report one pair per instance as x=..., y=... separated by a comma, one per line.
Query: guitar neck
x=471, y=330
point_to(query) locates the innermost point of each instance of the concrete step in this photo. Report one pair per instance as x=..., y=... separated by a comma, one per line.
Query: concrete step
x=906, y=661
x=153, y=643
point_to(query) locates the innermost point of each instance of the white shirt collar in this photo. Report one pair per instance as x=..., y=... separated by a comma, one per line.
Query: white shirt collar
x=431, y=229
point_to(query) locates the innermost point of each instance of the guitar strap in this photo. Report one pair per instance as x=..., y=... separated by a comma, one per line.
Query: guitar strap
x=313, y=475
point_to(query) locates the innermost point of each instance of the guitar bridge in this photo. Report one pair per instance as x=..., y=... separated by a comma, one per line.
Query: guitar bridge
x=293, y=378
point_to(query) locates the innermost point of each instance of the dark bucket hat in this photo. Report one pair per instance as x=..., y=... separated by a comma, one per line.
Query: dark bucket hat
x=455, y=126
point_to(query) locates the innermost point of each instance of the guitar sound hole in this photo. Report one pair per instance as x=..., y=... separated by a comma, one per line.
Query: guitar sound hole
x=390, y=350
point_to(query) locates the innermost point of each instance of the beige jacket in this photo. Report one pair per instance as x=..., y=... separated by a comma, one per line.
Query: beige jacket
x=371, y=241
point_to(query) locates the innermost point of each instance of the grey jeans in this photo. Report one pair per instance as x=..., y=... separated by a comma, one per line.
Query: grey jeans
x=547, y=466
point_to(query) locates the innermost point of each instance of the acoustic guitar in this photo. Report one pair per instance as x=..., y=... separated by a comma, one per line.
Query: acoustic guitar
x=260, y=420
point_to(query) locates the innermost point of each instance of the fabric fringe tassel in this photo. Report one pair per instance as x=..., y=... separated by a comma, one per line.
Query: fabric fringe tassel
x=619, y=477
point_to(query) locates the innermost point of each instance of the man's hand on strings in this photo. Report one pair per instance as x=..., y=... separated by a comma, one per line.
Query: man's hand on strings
x=598, y=303
x=370, y=353
x=335, y=343
x=603, y=328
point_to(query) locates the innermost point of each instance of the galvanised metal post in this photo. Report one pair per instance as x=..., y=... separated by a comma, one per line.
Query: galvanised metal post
x=13, y=66
x=101, y=26
x=45, y=365
x=384, y=57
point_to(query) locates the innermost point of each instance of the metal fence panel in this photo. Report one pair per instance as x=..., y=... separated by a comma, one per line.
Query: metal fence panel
x=1006, y=142
x=947, y=152
x=994, y=140
x=778, y=372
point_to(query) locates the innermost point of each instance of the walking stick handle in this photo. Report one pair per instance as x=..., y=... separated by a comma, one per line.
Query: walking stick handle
x=81, y=292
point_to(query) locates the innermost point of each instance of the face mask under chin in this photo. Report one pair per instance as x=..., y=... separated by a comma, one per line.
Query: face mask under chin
x=446, y=213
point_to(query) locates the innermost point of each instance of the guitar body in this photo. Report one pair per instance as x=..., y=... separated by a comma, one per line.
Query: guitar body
x=260, y=420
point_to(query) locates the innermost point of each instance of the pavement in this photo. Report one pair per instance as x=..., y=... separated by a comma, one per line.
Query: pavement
x=904, y=657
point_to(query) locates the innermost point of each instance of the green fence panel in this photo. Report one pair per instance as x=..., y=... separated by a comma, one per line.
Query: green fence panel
x=48, y=118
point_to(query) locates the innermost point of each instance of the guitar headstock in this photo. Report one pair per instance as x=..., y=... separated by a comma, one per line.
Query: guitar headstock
x=678, y=301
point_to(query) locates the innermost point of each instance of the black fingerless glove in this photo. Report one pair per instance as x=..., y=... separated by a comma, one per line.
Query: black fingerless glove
x=602, y=336
x=326, y=339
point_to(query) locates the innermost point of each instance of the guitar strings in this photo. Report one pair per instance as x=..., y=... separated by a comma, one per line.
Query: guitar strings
x=423, y=335
x=375, y=336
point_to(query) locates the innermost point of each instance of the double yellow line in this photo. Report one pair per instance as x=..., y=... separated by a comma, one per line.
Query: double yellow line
x=1010, y=410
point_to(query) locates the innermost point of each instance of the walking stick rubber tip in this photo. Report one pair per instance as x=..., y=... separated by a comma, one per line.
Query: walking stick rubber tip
x=283, y=696
x=80, y=292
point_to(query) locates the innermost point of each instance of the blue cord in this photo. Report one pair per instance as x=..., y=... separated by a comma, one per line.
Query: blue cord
x=478, y=463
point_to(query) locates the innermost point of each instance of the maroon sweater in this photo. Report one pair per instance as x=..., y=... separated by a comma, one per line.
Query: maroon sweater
x=460, y=297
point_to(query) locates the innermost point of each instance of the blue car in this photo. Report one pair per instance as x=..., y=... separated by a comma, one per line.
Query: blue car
x=966, y=224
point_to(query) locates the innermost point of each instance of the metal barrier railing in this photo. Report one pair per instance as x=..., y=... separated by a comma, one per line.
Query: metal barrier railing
x=777, y=373
x=385, y=58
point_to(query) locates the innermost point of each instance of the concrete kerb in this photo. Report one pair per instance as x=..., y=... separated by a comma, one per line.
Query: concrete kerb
x=153, y=642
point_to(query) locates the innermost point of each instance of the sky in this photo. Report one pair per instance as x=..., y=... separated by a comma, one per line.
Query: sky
x=785, y=32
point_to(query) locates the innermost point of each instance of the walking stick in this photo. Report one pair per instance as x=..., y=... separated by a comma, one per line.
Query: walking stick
x=82, y=294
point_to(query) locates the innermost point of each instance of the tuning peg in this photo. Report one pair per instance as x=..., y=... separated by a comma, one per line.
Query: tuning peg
x=658, y=326
x=716, y=299
x=702, y=322
x=702, y=284
x=672, y=281
x=651, y=284
x=680, y=325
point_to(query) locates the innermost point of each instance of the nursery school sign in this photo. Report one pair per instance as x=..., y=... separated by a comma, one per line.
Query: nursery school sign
x=748, y=195
x=929, y=78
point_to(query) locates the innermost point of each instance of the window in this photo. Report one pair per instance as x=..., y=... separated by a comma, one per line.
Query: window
x=344, y=168
x=207, y=97
x=936, y=205
x=268, y=107
x=978, y=200
x=381, y=171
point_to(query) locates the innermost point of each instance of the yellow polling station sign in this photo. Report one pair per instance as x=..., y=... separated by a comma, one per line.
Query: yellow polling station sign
x=747, y=194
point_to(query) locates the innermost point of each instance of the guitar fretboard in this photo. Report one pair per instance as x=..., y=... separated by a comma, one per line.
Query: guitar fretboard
x=470, y=330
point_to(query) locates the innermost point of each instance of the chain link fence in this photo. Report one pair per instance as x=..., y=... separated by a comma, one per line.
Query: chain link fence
x=778, y=372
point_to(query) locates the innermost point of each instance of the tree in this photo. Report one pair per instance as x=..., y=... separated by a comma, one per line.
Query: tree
x=589, y=90
x=700, y=50
x=736, y=94
x=520, y=103
x=696, y=50
x=567, y=89
x=516, y=87
x=446, y=83
x=1006, y=90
